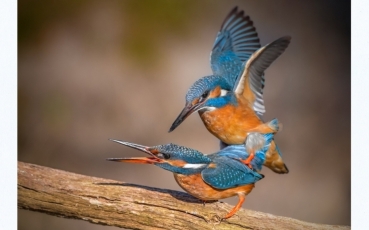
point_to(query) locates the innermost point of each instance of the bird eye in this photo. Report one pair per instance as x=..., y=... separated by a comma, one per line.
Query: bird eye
x=205, y=94
x=166, y=156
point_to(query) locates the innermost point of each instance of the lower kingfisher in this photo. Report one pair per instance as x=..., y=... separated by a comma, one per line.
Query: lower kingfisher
x=231, y=113
x=207, y=177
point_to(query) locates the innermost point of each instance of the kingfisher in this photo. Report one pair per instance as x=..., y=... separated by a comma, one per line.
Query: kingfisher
x=207, y=177
x=230, y=102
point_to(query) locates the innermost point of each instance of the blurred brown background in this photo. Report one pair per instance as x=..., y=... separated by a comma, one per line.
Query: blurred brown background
x=93, y=70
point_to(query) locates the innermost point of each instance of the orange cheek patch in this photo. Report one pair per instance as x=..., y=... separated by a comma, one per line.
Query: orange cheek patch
x=154, y=151
x=195, y=101
x=177, y=163
x=215, y=92
x=212, y=165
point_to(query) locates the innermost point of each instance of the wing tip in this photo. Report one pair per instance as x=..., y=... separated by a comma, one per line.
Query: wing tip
x=236, y=14
x=229, y=15
x=286, y=39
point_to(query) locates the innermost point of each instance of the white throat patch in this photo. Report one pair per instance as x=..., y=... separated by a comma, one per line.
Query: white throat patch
x=193, y=166
x=205, y=109
x=223, y=92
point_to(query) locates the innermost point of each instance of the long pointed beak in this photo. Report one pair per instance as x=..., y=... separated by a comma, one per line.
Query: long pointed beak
x=142, y=148
x=187, y=111
x=137, y=160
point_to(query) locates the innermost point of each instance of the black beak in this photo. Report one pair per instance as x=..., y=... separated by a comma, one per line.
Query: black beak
x=142, y=148
x=153, y=159
x=187, y=111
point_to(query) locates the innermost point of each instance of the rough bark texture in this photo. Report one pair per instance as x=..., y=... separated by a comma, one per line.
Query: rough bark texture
x=114, y=203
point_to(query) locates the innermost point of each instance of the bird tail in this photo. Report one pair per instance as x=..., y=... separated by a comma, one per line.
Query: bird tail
x=275, y=125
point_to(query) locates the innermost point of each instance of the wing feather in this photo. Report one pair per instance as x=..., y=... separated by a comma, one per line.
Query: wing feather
x=250, y=83
x=229, y=173
x=236, y=41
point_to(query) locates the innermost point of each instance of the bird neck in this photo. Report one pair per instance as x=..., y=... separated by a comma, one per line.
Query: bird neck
x=220, y=102
x=188, y=169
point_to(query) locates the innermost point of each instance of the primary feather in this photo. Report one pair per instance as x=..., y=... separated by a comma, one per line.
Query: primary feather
x=236, y=41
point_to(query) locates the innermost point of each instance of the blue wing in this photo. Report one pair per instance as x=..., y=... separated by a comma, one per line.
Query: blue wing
x=239, y=152
x=250, y=82
x=227, y=173
x=236, y=41
x=260, y=155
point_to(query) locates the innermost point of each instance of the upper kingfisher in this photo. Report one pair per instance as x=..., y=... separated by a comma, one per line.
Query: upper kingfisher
x=230, y=102
x=207, y=177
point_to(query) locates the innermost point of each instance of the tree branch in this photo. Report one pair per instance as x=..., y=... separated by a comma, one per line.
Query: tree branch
x=108, y=202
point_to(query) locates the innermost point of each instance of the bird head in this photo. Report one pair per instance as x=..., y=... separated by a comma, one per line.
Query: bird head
x=206, y=94
x=174, y=158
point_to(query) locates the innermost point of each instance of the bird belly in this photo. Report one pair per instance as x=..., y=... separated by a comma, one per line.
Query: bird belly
x=194, y=185
x=230, y=124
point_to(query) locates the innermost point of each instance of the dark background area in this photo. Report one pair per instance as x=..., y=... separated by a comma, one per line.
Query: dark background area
x=93, y=70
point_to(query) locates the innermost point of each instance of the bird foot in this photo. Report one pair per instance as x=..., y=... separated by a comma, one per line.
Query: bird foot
x=207, y=201
x=247, y=162
x=203, y=202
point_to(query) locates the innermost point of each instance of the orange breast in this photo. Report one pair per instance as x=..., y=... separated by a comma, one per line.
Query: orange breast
x=194, y=185
x=231, y=124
